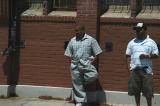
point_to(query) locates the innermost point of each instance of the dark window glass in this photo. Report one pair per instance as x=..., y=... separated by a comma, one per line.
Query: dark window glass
x=118, y=2
x=64, y=4
x=152, y=5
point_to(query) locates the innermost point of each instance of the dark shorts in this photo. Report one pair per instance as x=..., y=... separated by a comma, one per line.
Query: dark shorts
x=140, y=81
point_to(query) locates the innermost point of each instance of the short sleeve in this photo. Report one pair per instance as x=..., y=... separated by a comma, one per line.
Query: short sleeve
x=96, y=48
x=128, y=50
x=154, y=48
x=68, y=51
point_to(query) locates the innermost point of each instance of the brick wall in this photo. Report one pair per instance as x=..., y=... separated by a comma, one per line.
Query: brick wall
x=42, y=61
x=112, y=66
x=3, y=44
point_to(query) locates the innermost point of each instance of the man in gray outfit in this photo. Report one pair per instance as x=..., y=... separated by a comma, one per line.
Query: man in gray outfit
x=82, y=50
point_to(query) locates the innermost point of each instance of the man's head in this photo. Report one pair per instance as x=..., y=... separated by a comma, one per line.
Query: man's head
x=80, y=31
x=140, y=29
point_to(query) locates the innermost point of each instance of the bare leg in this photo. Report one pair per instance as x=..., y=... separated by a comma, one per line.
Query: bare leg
x=137, y=99
x=149, y=101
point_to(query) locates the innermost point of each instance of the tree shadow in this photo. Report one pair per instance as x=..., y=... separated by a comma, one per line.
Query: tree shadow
x=11, y=71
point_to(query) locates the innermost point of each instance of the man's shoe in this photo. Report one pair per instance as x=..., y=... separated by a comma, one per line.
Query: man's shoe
x=79, y=104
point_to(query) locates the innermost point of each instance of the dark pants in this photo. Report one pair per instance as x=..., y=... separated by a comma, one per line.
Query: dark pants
x=140, y=81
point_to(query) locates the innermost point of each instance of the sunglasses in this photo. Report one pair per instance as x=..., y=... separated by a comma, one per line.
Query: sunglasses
x=138, y=29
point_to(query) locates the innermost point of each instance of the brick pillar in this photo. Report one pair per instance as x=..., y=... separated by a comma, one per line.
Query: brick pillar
x=87, y=14
x=133, y=8
x=136, y=6
x=3, y=11
x=45, y=7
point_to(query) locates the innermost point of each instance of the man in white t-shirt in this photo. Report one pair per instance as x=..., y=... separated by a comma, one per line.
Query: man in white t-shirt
x=140, y=52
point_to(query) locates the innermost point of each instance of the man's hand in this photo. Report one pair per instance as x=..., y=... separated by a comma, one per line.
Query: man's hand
x=92, y=59
x=1, y=52
x=128, y=59
x=144, y=56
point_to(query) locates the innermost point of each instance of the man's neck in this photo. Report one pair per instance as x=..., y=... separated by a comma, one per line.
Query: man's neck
x=79, y=37
x=143, y=37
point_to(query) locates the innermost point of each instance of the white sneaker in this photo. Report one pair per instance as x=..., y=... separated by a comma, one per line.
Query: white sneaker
x=78, y=104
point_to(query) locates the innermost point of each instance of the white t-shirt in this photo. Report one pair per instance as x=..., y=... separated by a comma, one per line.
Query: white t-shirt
x=137, y=47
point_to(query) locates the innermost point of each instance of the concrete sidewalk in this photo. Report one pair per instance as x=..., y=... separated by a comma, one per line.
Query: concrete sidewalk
x=56, y=96
x=19, y=101
x=26, y=101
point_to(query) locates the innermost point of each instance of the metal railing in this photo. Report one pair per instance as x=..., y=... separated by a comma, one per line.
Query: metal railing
x=118, y=2
x=53, y=4
x=118, y=5
x=151, y=5
x=64, y=4
x=35, y=4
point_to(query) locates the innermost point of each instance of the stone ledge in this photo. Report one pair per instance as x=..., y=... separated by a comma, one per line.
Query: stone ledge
x=33, y=12
x=129, y=20
x=67, y=19
x=63, y=13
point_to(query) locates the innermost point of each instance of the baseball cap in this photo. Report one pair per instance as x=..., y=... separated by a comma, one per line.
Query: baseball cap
x=140, y=26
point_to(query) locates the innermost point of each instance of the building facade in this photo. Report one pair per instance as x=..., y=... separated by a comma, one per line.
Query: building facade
x=46, y=26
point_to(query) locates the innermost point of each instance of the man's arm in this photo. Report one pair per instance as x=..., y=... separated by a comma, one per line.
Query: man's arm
x=154, y=53
x=69, y=59
x=93, y=59
x=68, y=52
x=128, y=59
x=151, y=56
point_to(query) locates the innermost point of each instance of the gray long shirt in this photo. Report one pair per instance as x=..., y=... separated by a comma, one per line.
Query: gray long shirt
x=82, y=49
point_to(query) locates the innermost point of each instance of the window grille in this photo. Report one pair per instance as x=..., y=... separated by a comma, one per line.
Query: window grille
x=118, y=5
x=151, y=5
x=118, y=2
x=35, y=4
x=64, y=4
x=35, y=8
